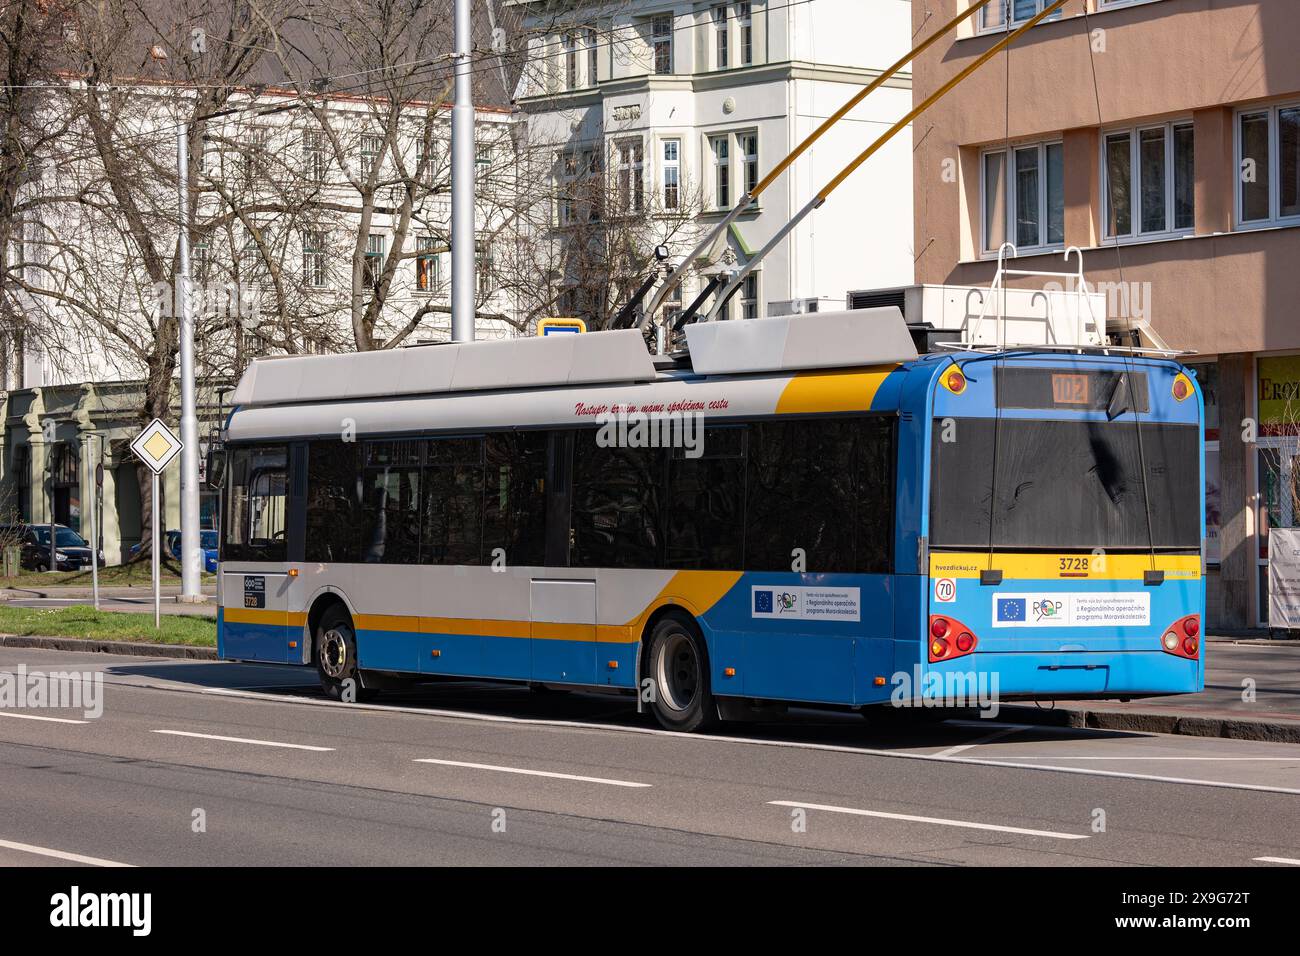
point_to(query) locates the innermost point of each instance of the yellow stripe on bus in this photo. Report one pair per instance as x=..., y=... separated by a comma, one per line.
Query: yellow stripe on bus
x=1064, y=567
x=835, y=391
x=248, y=615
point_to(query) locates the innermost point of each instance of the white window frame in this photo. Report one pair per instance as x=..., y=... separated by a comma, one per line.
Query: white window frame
x=1009, y=212
x=630, y=197
x=591, y=42
x=717, y=166
x=658, y=40
x=315, y=156
x=1134, y=133
x=372, y=145
x=572, y=77
x=1275, y=217
x=373, y=258
x=745, y=34
x=673, y=165
x=746, y=159
x=313, y=259
x=574, y=167
x=720, y=19
x=1008, y=20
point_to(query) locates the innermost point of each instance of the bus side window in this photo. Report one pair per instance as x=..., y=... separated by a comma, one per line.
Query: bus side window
x=257, y=502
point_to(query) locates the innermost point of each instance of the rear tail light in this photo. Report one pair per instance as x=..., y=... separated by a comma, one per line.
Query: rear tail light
x=1181, y=638
x=944, y=646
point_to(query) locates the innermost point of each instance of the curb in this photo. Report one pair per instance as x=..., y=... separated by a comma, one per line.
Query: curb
x=1186, y=725
x=126, y=648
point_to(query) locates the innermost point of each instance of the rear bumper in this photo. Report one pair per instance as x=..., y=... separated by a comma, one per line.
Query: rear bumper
x=1079, y=674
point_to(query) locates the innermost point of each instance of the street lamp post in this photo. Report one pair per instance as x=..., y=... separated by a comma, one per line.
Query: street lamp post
x=462, y=183
x=190, y=567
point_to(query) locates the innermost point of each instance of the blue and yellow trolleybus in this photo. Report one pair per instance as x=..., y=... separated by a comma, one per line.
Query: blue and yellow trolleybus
x=803, y=511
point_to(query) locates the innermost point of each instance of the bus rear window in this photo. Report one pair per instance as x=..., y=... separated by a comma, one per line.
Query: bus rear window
x=1064, y=485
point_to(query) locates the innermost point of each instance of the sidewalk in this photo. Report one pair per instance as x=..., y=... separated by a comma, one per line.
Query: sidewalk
x=169, y=592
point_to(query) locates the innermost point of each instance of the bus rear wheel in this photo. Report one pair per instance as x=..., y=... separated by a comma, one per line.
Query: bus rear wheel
x=336, y=657
x=678, y=664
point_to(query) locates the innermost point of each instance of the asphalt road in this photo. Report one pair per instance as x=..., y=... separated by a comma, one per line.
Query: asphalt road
x=477, y=774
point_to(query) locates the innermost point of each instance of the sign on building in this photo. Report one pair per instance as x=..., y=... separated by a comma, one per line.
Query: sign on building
x=1284, y=578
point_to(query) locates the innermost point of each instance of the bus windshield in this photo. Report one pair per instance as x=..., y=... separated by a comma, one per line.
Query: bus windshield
x=1064, y=485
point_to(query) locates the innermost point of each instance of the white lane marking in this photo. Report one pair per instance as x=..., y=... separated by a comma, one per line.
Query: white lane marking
x=752, y=741
x=1295, y=759
x=533, y=773
x=987, y=739
x=60, y=854
x=242, y=740
x=53, y=720
x=1277, y=859
x=939, y=821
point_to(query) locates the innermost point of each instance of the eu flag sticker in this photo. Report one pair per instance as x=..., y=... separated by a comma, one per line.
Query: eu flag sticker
x=762, y=602
x=1011, y=609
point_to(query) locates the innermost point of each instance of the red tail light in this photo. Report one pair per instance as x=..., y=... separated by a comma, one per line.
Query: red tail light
x=943, y=646
x=1180, y=638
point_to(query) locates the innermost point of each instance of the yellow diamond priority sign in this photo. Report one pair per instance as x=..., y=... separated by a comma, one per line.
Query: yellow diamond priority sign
x=156, y=446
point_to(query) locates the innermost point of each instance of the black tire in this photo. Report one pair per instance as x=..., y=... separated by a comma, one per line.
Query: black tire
x=678, y=663
x=336, y=655
x=41, y=567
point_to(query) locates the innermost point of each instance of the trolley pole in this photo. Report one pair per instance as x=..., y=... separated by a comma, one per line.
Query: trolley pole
x=190, y=567
x=462, y=184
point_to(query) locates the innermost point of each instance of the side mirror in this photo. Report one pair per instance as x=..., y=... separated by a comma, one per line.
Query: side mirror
x=217, y=468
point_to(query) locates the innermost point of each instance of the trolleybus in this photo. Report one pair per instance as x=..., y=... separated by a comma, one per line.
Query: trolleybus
x=833, y=516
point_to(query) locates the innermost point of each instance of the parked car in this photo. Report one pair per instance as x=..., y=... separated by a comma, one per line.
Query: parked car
x=172, y=543
x=71, y=550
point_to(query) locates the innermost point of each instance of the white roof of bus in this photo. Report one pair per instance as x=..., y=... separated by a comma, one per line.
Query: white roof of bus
x=865, y=337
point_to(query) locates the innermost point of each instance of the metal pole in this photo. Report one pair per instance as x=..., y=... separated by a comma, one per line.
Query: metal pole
x=190, y=567
x=462, y=184
x=94, y=519
x=157, y=592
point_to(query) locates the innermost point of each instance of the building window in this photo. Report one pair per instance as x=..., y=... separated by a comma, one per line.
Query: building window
x=672, y=173
x=315, y=159
x=426, y=161
x=630, y=175
x=578, y=187
x=22, y=470
x=661, y=29
x=483, y=267
x=720, y=147
x=748, y=143
x=313, y=259
x=1150, y=181
x=1268, y=157
x=372, y=266
x=749, y=297
x=721, y=45
x=483, y=157
x=745, y=22
x=371, y=147
x=593, y=56
x=569, y=43
x=427, y=277
x=1000, y=14
x=1031, y=213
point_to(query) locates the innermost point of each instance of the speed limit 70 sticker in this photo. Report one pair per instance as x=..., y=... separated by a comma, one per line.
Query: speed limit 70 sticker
x=945, y=590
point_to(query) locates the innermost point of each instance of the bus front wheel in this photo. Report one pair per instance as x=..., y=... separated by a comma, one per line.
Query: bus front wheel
x=336, y=657
x=679, y=666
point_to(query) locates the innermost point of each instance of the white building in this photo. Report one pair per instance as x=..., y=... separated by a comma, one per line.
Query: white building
x=675, y=98
x=297, y=217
